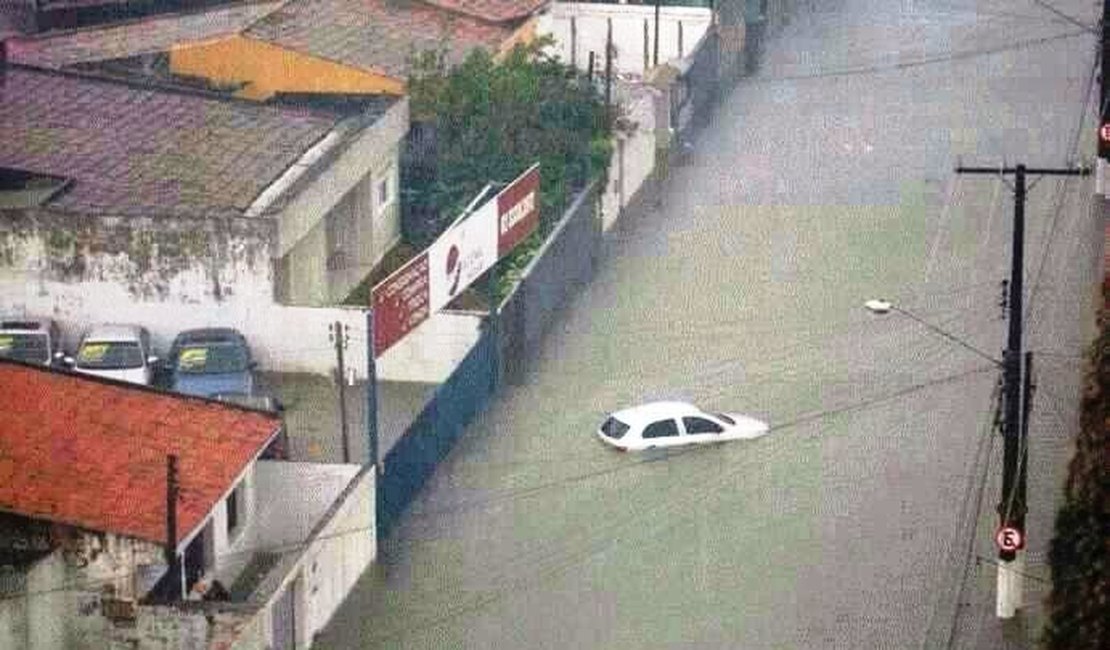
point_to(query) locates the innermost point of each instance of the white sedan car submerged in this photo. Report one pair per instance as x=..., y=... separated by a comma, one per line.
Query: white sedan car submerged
x=672, y=424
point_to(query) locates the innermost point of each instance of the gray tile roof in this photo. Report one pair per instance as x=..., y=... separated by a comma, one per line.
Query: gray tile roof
x=135, y=150
x=135, y=38
x=377, y=35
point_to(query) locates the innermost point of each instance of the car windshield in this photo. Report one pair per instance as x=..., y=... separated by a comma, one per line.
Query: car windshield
x=614, y=428
x=211, y=357
x=24, y=347
x=724, y=418
x=109, y=355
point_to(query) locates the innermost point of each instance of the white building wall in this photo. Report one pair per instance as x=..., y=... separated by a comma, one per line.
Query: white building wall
x=591, y=25
x=633, y=159
x=432, y=351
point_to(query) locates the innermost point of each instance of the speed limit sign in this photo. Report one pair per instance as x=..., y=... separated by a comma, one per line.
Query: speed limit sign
x=1009, y=539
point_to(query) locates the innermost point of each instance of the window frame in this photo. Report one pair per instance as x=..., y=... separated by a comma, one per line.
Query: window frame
x=686, y=428
x=234, y=511
x=383, y=180
x=672, y=421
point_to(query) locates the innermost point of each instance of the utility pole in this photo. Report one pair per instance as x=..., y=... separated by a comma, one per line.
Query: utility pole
x=1104, y=106
x=609, y=72
x=338, y=335
x=173, y=567
x=372, y=400
x=655, y=44
x=1011, y=507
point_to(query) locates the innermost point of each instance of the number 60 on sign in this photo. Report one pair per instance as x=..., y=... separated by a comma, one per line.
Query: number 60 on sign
x=1009, y=538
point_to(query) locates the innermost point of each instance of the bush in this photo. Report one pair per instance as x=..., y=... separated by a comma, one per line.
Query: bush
x=1080, y=552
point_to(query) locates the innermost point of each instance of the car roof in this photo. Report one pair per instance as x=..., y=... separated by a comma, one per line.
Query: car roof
x=209, y=334
x=113, y=332
x=26, y=324
x=652, y=411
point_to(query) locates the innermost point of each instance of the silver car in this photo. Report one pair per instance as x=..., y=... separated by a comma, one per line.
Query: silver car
x=120, y=352
x=31, y=340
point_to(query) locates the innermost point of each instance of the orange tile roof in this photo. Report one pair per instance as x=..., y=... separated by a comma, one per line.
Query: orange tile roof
x=92, y=453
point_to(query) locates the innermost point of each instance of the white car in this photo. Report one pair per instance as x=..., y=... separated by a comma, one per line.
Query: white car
x=119, y=352
x=672, y=424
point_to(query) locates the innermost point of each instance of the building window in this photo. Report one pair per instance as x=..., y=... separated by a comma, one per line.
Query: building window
x=233, y=510
x=383, y=191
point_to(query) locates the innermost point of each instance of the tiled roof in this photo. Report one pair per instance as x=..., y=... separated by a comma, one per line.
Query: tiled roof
x=495, y=11
x=146, y=36
x=136, y=150
x=377, y=35
x=92, y=453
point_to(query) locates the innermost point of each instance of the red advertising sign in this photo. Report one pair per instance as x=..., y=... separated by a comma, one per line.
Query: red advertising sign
x=455, y=259
x=518, y=211
x=400, y=303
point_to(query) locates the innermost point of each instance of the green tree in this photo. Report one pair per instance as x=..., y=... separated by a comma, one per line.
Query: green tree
x=492, y=120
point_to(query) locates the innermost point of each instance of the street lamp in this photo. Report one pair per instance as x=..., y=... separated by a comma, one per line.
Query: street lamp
x=880, y=306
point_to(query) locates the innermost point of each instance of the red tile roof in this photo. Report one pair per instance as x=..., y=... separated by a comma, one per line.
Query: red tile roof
x=380, y=35
x=494, y=11
x=92, y=453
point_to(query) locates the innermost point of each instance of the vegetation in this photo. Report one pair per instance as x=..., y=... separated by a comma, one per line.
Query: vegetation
x=492, y=120
x=1080, y=553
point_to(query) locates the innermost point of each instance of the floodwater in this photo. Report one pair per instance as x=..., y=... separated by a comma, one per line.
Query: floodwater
x=824, y=180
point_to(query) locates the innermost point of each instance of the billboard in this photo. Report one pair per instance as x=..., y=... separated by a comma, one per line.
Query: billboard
x=458, y=257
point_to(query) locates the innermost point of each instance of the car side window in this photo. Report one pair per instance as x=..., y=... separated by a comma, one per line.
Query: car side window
x=661, y=429
x=701, y=425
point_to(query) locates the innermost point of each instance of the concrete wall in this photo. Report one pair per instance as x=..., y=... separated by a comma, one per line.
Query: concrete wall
x=302, y=229
x=342, y=548
x=168, y=275
x=579, y=28
x=633, y=159
x=64, y=591
x=431, y=352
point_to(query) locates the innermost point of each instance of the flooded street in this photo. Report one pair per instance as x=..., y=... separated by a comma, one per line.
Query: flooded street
x=822, y=181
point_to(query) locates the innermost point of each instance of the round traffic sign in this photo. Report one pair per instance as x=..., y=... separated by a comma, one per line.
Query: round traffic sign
x=1104, y=132
x=1009, y=538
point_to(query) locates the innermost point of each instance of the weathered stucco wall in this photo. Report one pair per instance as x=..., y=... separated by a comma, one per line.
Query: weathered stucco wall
x=167, y=275
x=63, y=593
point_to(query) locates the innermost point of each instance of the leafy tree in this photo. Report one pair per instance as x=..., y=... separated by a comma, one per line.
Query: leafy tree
x=493, y=119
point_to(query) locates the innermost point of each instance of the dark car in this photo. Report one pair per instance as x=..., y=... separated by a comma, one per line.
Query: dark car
x=210, y=362
x=33, y=340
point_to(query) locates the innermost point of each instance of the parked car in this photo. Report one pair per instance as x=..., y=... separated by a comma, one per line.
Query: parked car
x=672, y=424
x=33, y=340
x=210, y=362
x=120, y=352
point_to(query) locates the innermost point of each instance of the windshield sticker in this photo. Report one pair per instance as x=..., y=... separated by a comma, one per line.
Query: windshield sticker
x=6, y=343
x=92, y=352
x=193, y=358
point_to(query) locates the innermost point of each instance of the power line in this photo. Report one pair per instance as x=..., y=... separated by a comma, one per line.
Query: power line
x=902, y=65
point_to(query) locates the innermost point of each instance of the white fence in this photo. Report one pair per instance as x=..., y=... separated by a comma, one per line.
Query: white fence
x=581, y=28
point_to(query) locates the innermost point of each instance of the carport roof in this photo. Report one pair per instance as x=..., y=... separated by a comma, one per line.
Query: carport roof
x=131, y=149
x=92, y=453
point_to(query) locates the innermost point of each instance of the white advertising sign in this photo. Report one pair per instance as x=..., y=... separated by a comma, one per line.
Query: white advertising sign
x=462, y=254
